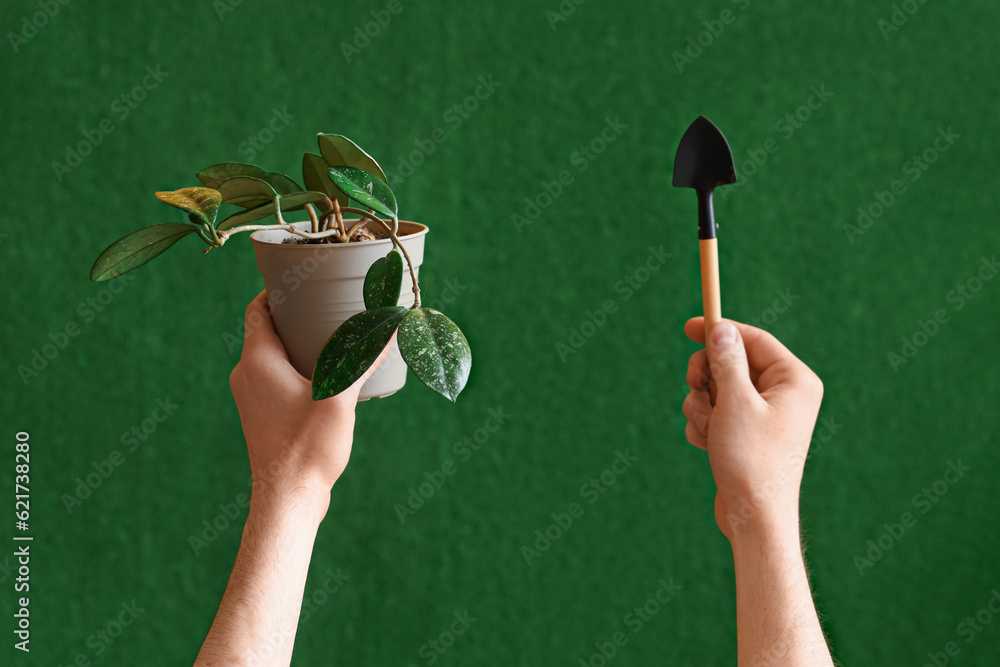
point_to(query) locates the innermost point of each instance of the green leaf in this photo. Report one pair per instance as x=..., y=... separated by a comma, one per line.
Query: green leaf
x=384, y=281
x=365, y=189
x=339, y=151
x=316, y=178
x=288, y=203
x=201, y=204
x=212, y=176
x=246, y=191
x=352, y=349
x=436, y=351
x=136, y=249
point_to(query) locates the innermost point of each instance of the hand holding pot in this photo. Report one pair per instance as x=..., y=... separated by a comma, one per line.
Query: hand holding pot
x=295, y=444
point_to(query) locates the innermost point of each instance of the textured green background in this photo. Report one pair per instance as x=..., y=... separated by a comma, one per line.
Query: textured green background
x=163, y=335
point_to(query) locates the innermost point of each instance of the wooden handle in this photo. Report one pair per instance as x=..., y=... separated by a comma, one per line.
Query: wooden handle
x=710, y=296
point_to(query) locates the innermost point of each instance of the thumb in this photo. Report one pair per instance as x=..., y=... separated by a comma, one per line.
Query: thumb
x=727, y=359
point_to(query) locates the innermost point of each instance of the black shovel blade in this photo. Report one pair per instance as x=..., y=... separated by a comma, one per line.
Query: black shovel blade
x=704, y=159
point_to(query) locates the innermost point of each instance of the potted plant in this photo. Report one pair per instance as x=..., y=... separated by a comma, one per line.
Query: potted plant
x=335, y=284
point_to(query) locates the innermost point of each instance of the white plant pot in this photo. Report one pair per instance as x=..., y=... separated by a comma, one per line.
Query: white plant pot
x=314, y=288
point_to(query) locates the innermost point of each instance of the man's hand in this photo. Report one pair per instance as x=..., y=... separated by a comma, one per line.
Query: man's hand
x=757, y=434
x=295, y=444
x=298, y=448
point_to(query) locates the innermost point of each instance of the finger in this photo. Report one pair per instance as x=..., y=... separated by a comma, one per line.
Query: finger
x=378, y=362
x=698, y=409
x=354, y=391
x=695, y=438
x=697, y=371
x=695, y=329
x=698, y=403
x=727, y=360
x=763, y=349
x=259, y=334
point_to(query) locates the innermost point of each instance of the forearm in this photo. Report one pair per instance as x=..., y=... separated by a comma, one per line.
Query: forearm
x=777, y=622
x=259, y=613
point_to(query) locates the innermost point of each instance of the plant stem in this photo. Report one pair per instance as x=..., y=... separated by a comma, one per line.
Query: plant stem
x=206, y=238
x=356, y=227
x=312, y=218
x=327, y=207
x=391, y=229
x=277, y=211
x=340, y=218
x=224, y=236
x=409, y=263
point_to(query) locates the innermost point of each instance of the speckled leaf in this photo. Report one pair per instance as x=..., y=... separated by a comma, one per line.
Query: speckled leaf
x=365, y=189
x=288, y=203
x=314, y=173
x=212, y=176
x=246, y=191
x=201, y=204
x=384, y=281
x=136, y=249
x=436, y=351
x=352, y=349
x=339, y=151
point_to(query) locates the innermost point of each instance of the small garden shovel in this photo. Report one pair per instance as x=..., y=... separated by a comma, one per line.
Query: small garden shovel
x=704, y=161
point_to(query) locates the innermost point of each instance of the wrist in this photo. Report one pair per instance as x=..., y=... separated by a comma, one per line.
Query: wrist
x=767, y=529
x=305, y=501
x=757, y=511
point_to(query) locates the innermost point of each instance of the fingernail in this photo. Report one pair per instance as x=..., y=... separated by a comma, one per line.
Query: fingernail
x=723, y=334
x=700, y=420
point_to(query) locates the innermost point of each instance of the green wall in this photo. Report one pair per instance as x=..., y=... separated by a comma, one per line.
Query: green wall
x=517, y=291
